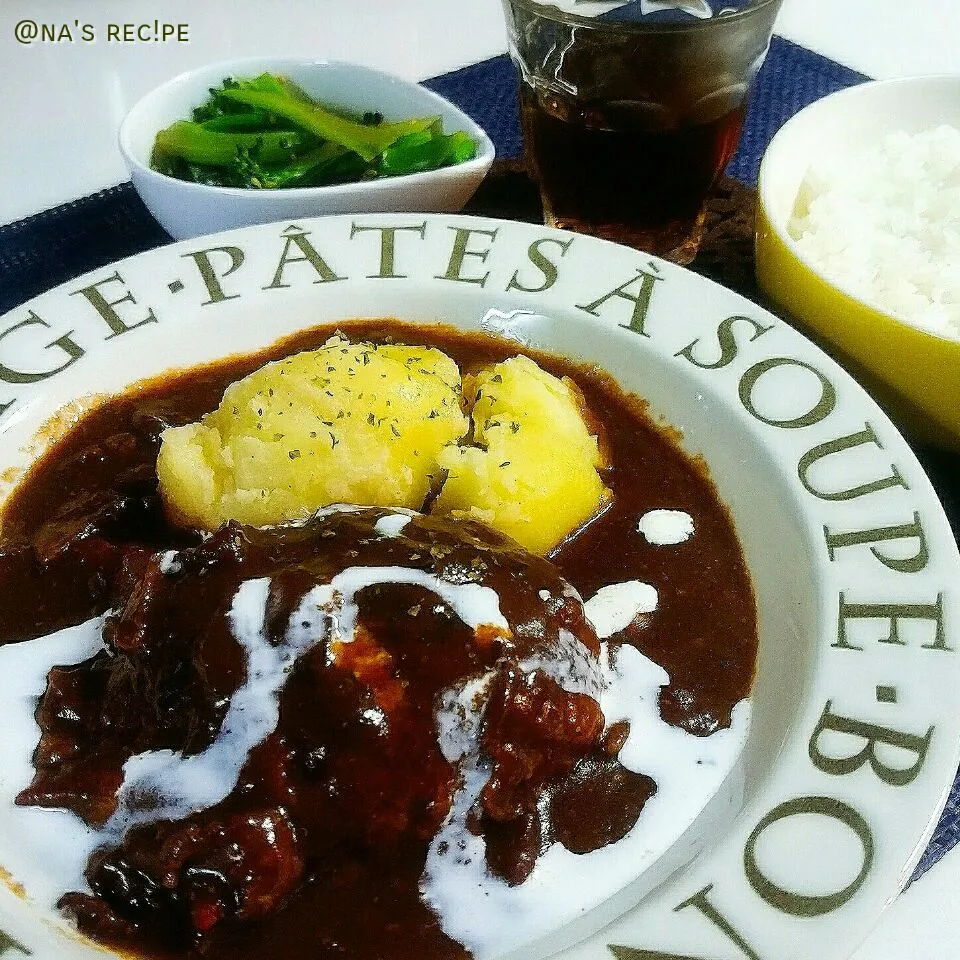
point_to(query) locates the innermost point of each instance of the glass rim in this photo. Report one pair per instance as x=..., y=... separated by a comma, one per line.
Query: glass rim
x=550, y=12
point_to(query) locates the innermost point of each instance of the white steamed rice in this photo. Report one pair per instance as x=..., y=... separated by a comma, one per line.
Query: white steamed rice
x=885, y=225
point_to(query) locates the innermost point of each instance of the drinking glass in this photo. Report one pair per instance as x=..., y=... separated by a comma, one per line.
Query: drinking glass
x=630, y=118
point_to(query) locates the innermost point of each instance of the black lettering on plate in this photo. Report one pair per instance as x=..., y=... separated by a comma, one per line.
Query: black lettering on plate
x=10, y=946
x=893, y=613
x=107, y=309
x=802, y=904
x=701, y=901
x=461, y=251
x=388, y=247
x=211, y=278
x=830, y=447
x=875, y=535
x=543, y=263
x=65, y=343
x=866, y=736
x=726, y=342
x=640, y=299
x=819, y=411
x=294, y=236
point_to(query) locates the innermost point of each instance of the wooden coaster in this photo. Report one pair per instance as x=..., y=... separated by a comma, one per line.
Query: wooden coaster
x=726, y=252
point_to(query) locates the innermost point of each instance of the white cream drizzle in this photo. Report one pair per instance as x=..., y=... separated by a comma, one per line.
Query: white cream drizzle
x=665, y=527
x=613, y=608
x=459, y=715
x=164, y=784
x=391, y=525
x=52, y=847
x=175, y=786
x=491, y=918
x=484, y=914
x=170, y=563
x=473, y=603
x=570, y=664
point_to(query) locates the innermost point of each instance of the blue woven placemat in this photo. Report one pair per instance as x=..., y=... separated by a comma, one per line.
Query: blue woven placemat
x=47, y=249
x=54, y=246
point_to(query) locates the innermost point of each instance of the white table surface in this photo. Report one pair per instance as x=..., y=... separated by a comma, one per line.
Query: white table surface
x=62, y=103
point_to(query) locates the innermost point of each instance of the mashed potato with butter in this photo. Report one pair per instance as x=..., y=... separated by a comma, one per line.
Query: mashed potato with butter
x=532, y=471
x=385, y=426
x=348, y=423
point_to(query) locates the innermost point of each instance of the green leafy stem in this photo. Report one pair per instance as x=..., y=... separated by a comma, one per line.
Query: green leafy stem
x=267, y=133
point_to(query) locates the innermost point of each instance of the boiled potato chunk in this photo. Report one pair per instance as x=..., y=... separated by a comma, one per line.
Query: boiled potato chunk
x=348, y=423
x=532, y=472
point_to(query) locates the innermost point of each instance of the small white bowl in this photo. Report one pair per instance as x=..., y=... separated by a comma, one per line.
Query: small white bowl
x=187, y=210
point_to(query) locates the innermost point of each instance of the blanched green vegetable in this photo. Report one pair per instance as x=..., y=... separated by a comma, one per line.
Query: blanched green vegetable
x=366, y=141
x=425, y=151
x=197, y=144
x=267, y=133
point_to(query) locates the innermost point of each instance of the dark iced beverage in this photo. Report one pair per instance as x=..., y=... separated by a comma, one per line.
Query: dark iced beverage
x=629, y=125
x=619, y=174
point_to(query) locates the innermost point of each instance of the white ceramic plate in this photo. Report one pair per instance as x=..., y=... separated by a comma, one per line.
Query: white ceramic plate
x=855, y=731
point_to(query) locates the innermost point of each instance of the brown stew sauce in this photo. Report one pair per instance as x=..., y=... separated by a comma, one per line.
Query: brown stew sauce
x=289, y=866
